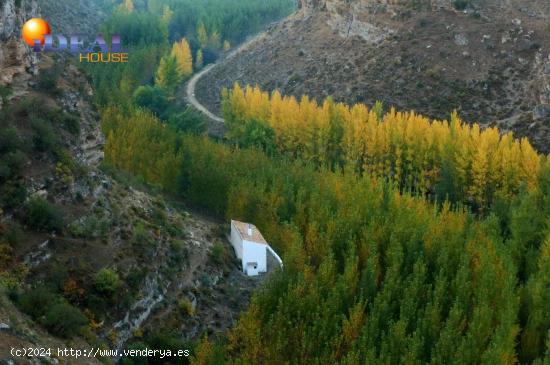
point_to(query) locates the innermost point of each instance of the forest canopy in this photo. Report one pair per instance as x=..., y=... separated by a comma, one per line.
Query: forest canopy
x=372, y=274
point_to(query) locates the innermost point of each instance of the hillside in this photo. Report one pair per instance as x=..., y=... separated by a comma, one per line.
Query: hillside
x=404, y=240
x=490, y=62
x=66, y=219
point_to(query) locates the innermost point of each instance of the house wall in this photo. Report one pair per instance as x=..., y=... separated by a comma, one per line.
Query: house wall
x=254, y=252
x=237, y=243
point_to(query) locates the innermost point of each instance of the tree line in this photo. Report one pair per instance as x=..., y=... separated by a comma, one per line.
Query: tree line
x=449, y=159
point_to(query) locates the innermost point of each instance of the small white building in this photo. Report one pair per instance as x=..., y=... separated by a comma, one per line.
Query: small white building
x=251, y=248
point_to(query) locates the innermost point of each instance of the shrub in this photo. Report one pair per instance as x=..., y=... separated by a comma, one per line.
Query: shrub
x=6, y=255
x=14, y=234
x=36, y=301
x=152, y=98
x=48, y=79
x=217, y=253
x=64, y=320
x=69, y=121
x=107, y=282
x=135, y=277
x=11, y=165
x=186, y=307
x=141, y=241
x=9, y=139
x=44, y=138
x=176, y=253
x=43, y=216
x=5, y=93
x=12, y=194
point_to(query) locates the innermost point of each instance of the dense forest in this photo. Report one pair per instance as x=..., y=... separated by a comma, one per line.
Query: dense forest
x=405, y=240
x=167, y=41
x=452, y=160
x=371, y=274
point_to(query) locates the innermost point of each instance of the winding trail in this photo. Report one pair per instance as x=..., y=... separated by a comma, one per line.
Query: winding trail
x=192, y=83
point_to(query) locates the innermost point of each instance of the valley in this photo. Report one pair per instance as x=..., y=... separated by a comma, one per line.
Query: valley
x=394, y=153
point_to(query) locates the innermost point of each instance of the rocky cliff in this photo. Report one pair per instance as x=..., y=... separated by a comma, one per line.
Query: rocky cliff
x=16, y=59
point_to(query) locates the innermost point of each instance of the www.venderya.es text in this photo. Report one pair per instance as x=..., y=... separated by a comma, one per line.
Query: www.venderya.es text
x=95, y=352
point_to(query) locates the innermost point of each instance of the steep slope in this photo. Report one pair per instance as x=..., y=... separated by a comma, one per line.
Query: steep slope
x=488, y=61
x=65, y=218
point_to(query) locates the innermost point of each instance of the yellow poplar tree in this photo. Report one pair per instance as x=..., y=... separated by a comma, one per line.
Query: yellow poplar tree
x=182, y=52
x=479, y=169
x=168, y=75
x=414, y=151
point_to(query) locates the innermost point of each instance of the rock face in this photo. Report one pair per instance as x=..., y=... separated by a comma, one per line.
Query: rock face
x=16, y=59
x=75, y=16
x=488, y=60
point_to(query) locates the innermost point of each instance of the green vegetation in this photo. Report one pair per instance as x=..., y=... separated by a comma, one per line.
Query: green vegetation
x=12, y=158
x=377, y=274
x=107, y=282
x=41, y=141
x=52, y=311
x=217, y=254
x=41, y=215
x=438, y=159
x=186, y=307
x=374, y=272
x=45, y=139
x=167, y=40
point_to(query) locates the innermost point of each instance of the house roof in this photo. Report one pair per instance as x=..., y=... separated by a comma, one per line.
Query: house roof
x=242, y=228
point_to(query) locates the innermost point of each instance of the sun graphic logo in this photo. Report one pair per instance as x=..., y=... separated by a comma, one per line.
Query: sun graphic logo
x=35, y=30
x=37, y=34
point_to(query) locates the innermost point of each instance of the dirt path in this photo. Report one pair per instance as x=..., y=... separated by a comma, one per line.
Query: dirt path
x=191, y=85
x=190, y=94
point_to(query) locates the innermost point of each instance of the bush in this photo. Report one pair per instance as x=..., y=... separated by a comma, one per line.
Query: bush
x=12, y=194
x=135, y=277
x=14, y=234
x=11, y=165
x=64, y=320
x=44, y=138
x=69, y=121
x=6, y=255
x=176, y=253
x=43, y=216
x=35, y=302
x=9, y=139
x=107, y=282
x=48, y=79
x=217, y=254
x=186, y=307
x=5, y=93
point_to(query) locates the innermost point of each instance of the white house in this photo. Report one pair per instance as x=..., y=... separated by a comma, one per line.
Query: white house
x=251, y=248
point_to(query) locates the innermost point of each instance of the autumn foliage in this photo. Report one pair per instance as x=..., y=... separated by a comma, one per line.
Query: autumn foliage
x=454, y=159
x=372, y=274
